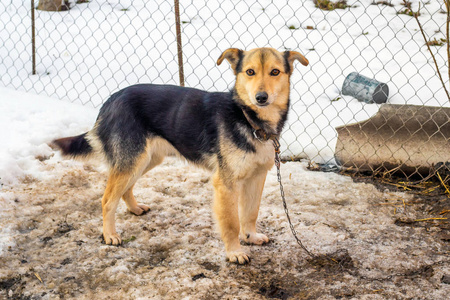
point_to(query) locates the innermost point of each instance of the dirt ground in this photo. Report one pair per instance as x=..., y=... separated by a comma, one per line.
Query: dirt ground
x=377, y=245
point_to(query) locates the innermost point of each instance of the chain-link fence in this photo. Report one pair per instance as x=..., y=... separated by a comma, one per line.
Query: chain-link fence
x=97, y=47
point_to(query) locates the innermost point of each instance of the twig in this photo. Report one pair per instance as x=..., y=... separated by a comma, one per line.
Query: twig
x=429, y=219
x=447, y=5
x=416, y=16
x=429, y=190
x=389, y=172
x=397, y=185
x=443, y=183
x=38, y=277
x=406, y=183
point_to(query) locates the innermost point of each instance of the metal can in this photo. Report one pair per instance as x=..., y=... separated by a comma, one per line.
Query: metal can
x=365, y=89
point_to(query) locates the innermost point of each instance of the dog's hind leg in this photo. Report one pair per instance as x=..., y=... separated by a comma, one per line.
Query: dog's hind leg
x=128, y=197
x=226, y=211
x=120, y=184
x=133, y=206
x=249, y=201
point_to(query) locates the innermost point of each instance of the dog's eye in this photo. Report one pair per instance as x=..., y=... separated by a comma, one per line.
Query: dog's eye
x=250, y=72
x=275, y=72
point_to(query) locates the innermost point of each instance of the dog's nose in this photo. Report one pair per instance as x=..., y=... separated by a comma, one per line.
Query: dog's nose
x=261, y=97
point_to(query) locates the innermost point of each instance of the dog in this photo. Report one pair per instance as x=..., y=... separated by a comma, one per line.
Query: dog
x=229, y=133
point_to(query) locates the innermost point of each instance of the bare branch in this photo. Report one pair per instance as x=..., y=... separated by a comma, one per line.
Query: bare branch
x=447, y=5
x=416, y=16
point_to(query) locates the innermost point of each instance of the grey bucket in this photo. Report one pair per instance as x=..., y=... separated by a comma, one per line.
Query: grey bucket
x=365, y=89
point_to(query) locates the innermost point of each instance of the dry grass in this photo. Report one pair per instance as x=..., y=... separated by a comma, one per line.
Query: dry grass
x=436, y=42
x=408, y=9
x=435, y=184
x=331, y=5
x=387, y=3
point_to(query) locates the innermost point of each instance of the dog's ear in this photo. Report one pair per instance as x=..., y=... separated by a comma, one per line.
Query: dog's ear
x=234, y=57
x=290, y=57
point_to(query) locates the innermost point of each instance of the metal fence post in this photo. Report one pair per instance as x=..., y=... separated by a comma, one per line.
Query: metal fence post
x=179, y=45
x=33, y=40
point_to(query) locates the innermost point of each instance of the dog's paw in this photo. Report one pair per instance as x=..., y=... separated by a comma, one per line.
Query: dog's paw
x=140, y=209
x=238, y=257
x=112, y=239
x=256, y=238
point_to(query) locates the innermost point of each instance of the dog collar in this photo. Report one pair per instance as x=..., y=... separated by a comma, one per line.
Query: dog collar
x=259, y=133
x=263, y=136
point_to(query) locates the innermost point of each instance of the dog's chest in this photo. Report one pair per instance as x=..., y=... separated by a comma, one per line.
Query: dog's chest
x=247, y=164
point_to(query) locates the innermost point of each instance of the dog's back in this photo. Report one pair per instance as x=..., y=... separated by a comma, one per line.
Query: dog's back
x=181, y=116
x=188, y=119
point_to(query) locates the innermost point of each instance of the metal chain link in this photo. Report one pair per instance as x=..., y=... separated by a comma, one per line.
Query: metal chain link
x=276, y=145
x=98, y=47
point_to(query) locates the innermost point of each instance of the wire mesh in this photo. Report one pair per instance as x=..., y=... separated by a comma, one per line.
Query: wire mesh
x=96, y=47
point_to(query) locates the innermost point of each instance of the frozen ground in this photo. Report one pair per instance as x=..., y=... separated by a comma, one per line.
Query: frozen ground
x=50, y=229
x=51, y=234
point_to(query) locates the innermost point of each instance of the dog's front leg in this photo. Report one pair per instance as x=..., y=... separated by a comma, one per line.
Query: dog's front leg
x=249, y=201
x=226, y=211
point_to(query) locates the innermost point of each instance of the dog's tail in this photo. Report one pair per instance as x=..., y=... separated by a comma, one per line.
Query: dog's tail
x=74, y=146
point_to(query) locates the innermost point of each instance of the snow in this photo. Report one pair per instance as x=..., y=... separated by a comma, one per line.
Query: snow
x=29, y=123
x=50, y=208
x=96, y=48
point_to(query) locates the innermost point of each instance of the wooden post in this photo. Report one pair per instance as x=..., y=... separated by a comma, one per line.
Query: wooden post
x=179, y=45
x=33, y=40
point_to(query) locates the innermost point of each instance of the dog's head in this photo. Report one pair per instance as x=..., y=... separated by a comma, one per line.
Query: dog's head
x=262, y=75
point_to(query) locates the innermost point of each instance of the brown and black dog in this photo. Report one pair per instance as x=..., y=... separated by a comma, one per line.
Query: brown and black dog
x=227, y=133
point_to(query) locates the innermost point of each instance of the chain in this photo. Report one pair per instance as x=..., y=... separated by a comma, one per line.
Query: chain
x=276, y=145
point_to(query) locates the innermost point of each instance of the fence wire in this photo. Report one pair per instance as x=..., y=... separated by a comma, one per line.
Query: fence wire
x=94, y=48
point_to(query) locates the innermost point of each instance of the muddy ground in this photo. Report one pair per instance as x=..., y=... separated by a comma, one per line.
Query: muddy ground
x=377, y=247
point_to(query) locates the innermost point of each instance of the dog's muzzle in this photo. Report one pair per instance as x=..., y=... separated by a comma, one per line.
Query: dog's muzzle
x=261, y=98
